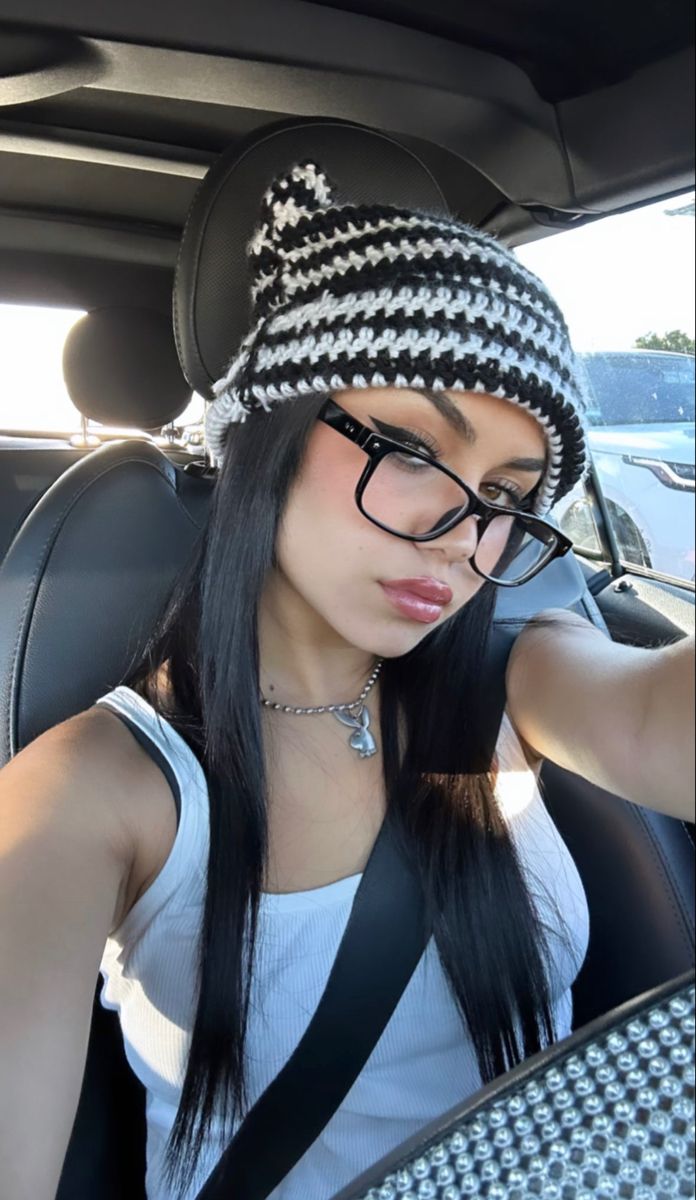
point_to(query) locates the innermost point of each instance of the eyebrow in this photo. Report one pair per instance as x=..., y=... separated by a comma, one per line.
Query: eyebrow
x=462, y=425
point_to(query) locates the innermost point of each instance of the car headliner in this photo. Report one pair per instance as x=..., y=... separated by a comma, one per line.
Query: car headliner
x=533, y=116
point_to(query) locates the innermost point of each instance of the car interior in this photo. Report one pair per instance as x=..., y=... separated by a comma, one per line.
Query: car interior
x=135, y=143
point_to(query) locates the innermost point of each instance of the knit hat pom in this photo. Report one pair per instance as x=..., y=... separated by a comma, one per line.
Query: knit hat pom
x=302, y=191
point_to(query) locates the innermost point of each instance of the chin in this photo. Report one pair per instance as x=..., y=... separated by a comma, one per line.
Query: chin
x=392, y=639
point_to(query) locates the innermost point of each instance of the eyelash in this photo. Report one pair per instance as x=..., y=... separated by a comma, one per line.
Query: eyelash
x=513, y=492
x=424, y=441
x=413, y=438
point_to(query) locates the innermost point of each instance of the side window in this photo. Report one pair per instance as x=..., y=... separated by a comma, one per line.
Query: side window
x=34, y=401
x=626, y=286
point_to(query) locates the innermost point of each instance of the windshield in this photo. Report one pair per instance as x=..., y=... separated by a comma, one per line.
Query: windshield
x=638, y=389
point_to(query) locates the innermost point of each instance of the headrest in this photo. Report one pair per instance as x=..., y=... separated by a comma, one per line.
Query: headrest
x=121, y=368
x=212, y=308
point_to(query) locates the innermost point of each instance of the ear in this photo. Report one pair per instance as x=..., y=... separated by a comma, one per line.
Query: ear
x=300, y=192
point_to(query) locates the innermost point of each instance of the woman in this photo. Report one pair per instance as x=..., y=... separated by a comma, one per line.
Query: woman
x=403, y=413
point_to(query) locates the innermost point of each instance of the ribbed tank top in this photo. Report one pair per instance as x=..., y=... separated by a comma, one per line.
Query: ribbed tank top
x=424, y=1062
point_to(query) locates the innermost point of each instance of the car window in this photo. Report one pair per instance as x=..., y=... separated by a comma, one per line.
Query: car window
x=34, y=399
x=640, y=388
x=626, y=286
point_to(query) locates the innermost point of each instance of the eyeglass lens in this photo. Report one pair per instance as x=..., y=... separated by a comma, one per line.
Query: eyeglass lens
x=412, y=497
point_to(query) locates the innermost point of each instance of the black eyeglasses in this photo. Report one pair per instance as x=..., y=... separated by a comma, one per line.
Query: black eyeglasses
x=404, y=491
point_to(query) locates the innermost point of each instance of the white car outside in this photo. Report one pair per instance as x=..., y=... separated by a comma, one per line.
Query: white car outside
x=642, y=443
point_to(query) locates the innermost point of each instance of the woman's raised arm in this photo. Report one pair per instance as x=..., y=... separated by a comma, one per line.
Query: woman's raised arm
x=620, y=716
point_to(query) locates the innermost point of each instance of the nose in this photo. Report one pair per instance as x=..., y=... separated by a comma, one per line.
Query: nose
x=458, y=544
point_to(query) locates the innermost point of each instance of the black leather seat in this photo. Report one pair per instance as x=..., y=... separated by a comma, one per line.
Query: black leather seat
x=95, y=560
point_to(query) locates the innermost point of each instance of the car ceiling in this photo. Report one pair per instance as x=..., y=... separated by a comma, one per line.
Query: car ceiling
x=533, y=115
x=566, y=49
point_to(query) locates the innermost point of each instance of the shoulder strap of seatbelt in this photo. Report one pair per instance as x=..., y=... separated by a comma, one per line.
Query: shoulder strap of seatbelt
x=383, y=941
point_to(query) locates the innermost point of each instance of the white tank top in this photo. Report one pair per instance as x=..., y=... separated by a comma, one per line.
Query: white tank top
x=424, y=1062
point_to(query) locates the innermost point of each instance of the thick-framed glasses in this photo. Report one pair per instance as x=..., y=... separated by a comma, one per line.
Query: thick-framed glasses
x=405, y=492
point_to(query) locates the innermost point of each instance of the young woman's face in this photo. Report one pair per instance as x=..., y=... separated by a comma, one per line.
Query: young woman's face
x=347, y=571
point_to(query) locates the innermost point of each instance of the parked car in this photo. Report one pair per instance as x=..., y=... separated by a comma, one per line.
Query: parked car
x=642, y=442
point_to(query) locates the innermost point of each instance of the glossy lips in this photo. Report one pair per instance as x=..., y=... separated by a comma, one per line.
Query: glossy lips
x=421, y=599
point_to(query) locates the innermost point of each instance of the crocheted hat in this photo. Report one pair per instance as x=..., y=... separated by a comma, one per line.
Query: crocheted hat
x=372, y=296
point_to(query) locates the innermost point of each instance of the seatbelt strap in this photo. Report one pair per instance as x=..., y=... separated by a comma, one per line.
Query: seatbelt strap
x=382, y=944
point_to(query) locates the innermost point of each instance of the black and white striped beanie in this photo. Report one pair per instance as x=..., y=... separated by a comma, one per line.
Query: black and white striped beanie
x=372, y=296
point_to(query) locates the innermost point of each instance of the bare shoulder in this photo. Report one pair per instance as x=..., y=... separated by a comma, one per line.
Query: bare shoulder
x=79, y=809
x=142, y=800
x=113, y=783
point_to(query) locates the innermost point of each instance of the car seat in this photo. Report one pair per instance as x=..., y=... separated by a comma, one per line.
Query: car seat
x=91, y=566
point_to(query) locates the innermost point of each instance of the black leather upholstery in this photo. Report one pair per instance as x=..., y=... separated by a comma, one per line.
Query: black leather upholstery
x=84, y=578
x=80, y=586
x=637, y=867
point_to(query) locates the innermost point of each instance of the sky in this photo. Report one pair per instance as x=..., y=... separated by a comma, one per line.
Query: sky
x=614, y=279
x=620, y=277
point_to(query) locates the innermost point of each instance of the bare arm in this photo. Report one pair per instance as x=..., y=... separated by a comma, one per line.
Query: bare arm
x=619, y=716
x=65, y=858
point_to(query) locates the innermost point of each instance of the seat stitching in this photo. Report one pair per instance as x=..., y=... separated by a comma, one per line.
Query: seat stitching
x=673, y=893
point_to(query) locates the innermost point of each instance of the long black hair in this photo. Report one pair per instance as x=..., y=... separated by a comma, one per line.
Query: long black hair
x=439, y=782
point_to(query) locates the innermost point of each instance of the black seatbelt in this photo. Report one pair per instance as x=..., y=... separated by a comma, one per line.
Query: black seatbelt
x=382, y=943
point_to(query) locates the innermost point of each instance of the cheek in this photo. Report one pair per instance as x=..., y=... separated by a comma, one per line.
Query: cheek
x=322, y=520
x=329, y=479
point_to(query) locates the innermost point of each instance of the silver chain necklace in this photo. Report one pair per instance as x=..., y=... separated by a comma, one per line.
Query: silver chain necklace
x=361, y=740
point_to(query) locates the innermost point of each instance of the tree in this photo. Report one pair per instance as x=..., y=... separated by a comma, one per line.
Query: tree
x=676, y=340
